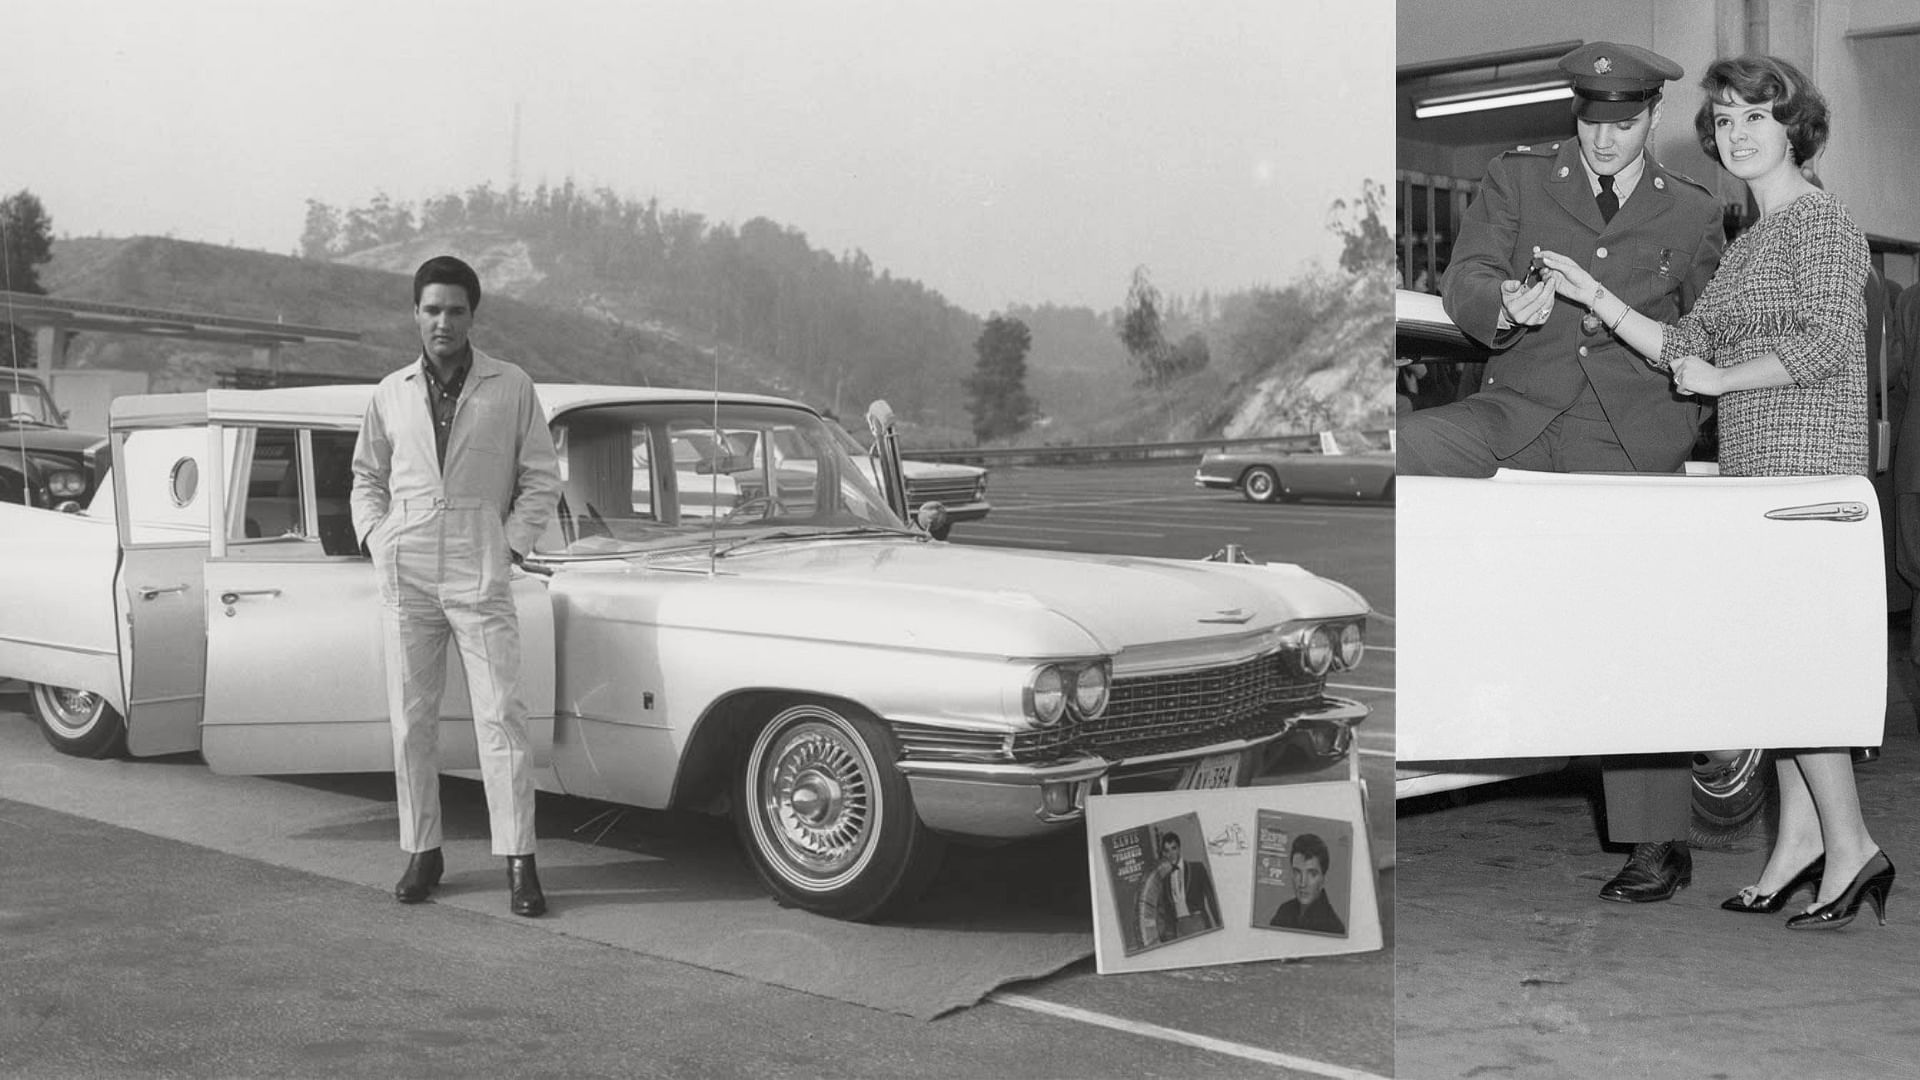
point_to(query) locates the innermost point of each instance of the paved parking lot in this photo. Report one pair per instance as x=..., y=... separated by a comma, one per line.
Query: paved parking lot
x=131, y=954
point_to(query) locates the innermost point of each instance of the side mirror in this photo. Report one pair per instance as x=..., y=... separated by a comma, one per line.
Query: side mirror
x=933, y=517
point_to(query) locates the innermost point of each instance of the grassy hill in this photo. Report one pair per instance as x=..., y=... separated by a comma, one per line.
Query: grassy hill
x=548, y=311
x=552, y=344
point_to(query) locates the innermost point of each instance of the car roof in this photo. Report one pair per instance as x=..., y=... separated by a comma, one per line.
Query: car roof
x=343, y=405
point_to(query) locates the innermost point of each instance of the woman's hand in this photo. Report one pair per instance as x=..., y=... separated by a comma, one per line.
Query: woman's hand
x=1569, y=278
x=1692, y=375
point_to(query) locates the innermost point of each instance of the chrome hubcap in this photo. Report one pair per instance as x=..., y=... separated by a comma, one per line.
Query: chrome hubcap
x=73, y=710
x=817, y=797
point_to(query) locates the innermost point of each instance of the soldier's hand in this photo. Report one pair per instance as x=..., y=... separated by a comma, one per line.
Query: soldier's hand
x=1527, y=305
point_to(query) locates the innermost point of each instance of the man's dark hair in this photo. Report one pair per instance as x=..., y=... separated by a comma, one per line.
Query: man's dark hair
x=1313, y=848
x=447, y=270
x=1169, y=838
x=1765, y=80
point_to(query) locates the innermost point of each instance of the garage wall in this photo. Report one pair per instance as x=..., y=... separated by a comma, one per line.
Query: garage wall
x=1873, y=85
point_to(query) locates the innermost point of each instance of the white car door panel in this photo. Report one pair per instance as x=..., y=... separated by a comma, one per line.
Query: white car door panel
x=296, y=671
x=1546, y=615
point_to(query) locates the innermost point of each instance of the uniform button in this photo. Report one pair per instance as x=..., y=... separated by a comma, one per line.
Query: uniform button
x=1600, y=253
x=1583, y=350
x=1563, y=172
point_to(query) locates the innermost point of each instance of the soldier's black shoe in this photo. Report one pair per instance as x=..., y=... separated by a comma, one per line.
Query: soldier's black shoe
x=1653, y=872
x=523, y=887
x=423, y=873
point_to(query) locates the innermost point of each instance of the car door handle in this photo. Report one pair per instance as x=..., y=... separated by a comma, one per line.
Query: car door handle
x=149, y=592
x=234, y=596
x=1832, y=511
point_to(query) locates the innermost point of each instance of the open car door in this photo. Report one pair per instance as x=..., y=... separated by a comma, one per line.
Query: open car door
x=1547, y=615
x=296, y=671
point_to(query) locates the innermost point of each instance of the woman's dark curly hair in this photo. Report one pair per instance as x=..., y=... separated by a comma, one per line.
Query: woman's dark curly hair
x=1797, y=104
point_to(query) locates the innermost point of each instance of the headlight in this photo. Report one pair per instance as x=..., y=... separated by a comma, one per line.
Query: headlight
x=1316, y=655
x=65, y=483
x=1047, y=695
x=1353, y=646
x=1090, y=686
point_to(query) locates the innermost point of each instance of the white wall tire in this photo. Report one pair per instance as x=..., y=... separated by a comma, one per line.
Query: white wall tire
x=78, y=722
x=826, y=819
x=1260, y=484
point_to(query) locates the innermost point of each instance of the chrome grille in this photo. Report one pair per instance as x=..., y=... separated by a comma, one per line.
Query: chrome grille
x=1166, y=713
x=927, y=741
x=954, y=491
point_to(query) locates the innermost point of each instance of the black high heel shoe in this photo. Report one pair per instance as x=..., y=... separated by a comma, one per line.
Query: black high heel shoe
x=1769, y=903
x=1871, y=883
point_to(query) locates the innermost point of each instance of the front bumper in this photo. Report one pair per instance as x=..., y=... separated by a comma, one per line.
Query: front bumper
x=1008, y=801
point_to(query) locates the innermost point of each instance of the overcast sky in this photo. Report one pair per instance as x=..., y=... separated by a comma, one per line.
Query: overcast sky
x=998, y=151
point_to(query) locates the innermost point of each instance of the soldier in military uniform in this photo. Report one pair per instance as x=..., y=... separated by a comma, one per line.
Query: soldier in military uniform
x=1561, y=393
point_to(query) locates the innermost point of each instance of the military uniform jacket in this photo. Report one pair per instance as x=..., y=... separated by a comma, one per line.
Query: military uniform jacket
x=1657, y=255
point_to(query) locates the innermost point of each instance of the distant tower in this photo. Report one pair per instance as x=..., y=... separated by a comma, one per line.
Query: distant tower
x=513, y=162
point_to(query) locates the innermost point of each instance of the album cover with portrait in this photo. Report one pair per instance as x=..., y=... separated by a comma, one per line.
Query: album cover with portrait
x=1302, y=873
x=1163, y=887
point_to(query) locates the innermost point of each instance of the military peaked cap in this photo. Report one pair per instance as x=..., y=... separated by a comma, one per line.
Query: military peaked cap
x=1613, y=82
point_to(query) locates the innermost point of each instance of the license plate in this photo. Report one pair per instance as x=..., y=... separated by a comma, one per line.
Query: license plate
x=1217, y=771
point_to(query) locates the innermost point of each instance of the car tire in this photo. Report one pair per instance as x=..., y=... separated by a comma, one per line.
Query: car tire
x=827, y=820
x=78, y=722
x=1732, y=796
x=1260, y=484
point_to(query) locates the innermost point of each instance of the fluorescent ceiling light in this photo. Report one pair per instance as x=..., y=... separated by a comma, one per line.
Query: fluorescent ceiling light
x=1505, y=97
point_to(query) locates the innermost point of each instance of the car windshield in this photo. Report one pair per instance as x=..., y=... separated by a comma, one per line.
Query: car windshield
x=26, y=403
x=647, y=477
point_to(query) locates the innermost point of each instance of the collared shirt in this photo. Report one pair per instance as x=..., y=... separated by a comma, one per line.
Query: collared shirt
x=443, y=399
x=1179, y=881
x=1624, y=181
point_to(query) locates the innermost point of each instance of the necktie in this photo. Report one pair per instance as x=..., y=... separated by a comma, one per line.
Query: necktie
x=1609, y=202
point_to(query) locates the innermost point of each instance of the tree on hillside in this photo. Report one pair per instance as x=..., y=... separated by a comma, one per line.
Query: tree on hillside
x=320, y=238
x=1142, y=331
x=1368, y=241
x=26, y=244
x=998, y=386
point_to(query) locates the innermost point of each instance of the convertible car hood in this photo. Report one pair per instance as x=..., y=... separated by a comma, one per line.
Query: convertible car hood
x=965, y=599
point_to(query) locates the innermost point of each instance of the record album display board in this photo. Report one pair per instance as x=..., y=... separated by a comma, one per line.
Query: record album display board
x=1187, y=878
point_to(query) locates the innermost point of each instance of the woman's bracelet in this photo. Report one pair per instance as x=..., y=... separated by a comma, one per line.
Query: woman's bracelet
x=1599, y=292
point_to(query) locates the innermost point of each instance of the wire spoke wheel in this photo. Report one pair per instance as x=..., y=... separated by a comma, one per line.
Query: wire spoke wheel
x=78, y=722
x=826, y=818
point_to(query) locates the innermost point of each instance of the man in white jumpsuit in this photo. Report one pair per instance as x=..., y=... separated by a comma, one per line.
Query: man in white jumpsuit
x=454, y=478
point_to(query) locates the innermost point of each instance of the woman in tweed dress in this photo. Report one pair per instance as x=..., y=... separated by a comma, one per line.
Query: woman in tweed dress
x=1779, y=336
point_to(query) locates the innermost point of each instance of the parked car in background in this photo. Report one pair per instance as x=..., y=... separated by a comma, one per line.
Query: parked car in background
x=1544, y=616
x=33, y=427
x=962, y=489
x=1343, y=469
x=854, y=693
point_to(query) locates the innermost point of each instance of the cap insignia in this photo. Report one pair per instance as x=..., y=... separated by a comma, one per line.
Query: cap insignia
x=1602, y=66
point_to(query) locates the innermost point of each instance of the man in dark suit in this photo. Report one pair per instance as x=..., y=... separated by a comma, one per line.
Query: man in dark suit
x=1185, y=903
x=1561, y=393
x=1309, y=909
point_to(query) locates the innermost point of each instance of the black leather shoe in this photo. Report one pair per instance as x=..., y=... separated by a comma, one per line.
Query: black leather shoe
x=1866, y=755
x=423, y=873
x=1653, y=872
x=523, y=887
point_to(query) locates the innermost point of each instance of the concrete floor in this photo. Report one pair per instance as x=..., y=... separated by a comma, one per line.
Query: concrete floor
x=1507, y=965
